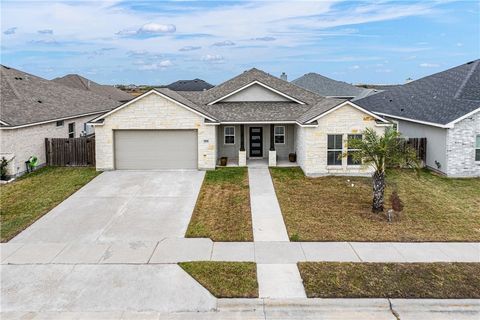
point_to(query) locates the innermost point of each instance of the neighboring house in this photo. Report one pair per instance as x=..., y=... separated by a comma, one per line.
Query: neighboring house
x=331, y=88
x=189, y=85
x=251, y=116
x=444, y=108
x=78, y=82
x=33, y=108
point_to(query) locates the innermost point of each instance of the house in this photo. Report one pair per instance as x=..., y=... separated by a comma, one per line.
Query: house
x=78, y=82
x=331, y=88
x=444, y=108
x=189, y=85
x=33, y=108
x=251, y=116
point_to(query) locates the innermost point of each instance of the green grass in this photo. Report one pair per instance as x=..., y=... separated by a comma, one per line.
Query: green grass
x=222, y=212
x=391, y=280
x=331, y=209
x=225, y=279
x=31, y=196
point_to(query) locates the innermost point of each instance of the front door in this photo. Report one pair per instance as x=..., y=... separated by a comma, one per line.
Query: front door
x=256, y=142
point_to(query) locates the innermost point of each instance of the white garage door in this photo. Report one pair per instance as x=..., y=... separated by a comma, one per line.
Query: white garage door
x=155, y=149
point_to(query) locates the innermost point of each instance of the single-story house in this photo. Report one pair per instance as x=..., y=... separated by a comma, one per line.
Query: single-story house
x=189, y=85
x=33, y=108
x=445, y=109
x=78, y=82
x=331, y=88
x=251, y=116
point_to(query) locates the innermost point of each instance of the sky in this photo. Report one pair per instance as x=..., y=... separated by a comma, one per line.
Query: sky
x=158, y=42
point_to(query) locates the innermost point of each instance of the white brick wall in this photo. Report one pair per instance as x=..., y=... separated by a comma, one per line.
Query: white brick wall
x=154, y=112
x=461, y=148
x=312, y=142
x=22, y=143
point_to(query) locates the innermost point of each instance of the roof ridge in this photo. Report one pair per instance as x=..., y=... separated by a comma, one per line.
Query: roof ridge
x=464, y=82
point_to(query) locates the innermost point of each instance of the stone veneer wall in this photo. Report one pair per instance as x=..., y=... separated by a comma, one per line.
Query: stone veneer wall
x=461, y=148
x=25, y=142
x=149, y=113
x=311, y=142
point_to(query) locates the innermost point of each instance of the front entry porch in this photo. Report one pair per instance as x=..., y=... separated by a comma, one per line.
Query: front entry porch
x=256, y=144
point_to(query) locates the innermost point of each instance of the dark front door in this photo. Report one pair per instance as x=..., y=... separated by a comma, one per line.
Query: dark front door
x=256, y=142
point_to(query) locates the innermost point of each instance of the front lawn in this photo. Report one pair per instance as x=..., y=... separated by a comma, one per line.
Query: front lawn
x=339, y=208
x=222, y=212
x=391, y=280
x=225, y=279
x=31, y=196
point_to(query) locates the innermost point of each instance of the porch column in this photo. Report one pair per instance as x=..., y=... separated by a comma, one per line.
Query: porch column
x=242, y=155
x=272, y=154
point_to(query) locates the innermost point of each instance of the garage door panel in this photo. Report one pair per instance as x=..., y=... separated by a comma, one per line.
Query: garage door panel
x=155, y=149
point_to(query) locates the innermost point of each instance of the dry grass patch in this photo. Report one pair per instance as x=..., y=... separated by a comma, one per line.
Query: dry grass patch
x=225, y=279
x=31, y=196
x=222, y=212
x=391, y=280
x=331, y=209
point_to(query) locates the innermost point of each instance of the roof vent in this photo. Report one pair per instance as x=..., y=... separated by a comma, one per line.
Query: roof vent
x=39, y=101
x=283, y=76
x=8, y=68
x=470, y=62
x=402, y=109
x=18, y=78
x=390, y=100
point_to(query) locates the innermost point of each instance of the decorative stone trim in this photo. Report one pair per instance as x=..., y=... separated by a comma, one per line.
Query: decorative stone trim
x=272, y=158
x=242, y=158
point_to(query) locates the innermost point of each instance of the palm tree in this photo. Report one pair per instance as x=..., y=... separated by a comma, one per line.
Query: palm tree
x=380, y=152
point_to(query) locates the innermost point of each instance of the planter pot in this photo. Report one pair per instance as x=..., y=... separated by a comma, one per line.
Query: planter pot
x=223, y=161
x=292, y=157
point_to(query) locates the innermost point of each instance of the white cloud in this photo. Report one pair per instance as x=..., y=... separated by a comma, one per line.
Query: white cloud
x=157, y=28
x=225, y=43
x=264, y=39
x=459, y=44
x=190, y=48
x=45, y=31
x=429, y=65
x=216, y=58
x=355, y=67
x=10, y=31
x=156, y=66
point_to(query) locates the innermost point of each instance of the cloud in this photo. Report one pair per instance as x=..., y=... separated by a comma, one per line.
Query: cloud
x=459, y=44
x=10, y=30
x=148, y=29
x=264, y=39
x=225, y=43
x=429, y=65
x=44, y=41
x=190, y=48
x=157, y=28
x=355, y=67
x=156, y=66
x=45, y=31
x=213, y=58
x=137, y=53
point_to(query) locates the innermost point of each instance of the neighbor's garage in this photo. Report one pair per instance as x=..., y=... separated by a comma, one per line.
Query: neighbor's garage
x=155, y=149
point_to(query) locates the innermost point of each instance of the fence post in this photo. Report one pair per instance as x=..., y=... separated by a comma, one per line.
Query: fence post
x=47, y=152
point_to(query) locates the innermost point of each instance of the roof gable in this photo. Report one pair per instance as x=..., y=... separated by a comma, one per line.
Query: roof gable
x=327, y=87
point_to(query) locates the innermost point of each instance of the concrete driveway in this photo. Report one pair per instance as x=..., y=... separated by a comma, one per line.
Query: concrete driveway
x=121, y=206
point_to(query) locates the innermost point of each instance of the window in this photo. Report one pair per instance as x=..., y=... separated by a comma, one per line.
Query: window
x=229, y=135
x=71, y=130
x=477, y=148
x=60, y=123
x=350, y=151
x=280, y=135
x=334, y=150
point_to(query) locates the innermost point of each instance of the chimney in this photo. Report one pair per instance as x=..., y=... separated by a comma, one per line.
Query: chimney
x=283, y=76
x=88, y=84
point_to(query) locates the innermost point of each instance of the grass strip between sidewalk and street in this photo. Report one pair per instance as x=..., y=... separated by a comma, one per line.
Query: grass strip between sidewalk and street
x=222, y=212
x=391, y=280
x=225, y=279
x=31, y=196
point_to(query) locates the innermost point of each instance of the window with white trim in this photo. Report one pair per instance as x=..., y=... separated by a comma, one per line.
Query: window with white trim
x=477, y=148
x=279, y=134
x=350, y=151
x=334, y=149
x=71, y=130
x=229, y=135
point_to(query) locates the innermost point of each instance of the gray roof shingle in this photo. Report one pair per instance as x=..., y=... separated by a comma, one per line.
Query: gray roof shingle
x=189, y=85
x=78, y=82
x=28, y=99
x=439, y=98
x=328, y=87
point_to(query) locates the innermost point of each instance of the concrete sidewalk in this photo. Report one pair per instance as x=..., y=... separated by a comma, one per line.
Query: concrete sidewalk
x=173, y=250
x=267, y=219
x=261, y=309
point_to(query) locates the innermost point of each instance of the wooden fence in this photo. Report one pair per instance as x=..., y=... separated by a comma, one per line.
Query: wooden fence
x=420, y=146
x=79, y=152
